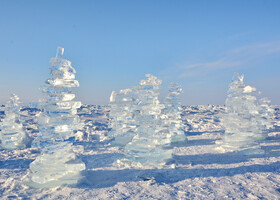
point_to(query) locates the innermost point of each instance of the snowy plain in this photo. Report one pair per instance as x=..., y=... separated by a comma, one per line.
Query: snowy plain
x=197, y=169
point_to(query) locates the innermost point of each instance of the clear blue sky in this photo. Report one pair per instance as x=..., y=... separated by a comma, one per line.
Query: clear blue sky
x=113, y=44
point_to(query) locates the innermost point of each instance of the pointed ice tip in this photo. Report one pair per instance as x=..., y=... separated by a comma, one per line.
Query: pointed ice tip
x=59, y=52
x=238, y=77
x=113, y=96
x=14, y=96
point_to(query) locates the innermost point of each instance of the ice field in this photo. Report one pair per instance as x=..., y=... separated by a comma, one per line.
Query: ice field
x=149, y=100
x=196, y=171
x=138, y=146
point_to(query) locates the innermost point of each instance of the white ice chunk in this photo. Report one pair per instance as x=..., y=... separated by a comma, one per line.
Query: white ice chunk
x=249, y=89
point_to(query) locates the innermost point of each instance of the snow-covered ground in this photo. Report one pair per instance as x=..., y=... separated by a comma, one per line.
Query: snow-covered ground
x=196, y=171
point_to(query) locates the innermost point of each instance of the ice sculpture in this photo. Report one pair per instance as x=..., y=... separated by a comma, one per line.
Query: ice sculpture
x=172, y=111
x=245, y=121
x=266, y=113
x=122, y=117
x=12, y=136
x=57, y=163
x=148, y=146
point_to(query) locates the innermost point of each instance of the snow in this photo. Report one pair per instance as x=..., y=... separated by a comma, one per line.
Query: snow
x=249, y=89
x=196, y=171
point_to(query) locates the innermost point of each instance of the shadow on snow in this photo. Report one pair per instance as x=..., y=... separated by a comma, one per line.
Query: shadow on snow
x=16, y=164
x=109, y=178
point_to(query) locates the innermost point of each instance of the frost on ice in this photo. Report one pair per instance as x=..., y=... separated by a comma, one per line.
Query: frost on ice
x=246, y=118
x=151, y=137
x=12, y=136
x=57, y=163
x=122, y=117
x=172, y=111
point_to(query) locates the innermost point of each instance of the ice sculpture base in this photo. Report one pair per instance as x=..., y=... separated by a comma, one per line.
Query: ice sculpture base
x=69, y=180
x=56, y=165
x=150, y=157
x=53, y=178
x=179, y=140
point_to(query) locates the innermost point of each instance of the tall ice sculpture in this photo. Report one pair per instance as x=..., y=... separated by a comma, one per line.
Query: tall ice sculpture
x=122, y=117
x=12, y=136
x=148, y=146
x=57, y=163
x=246, y=119
x=172, y=111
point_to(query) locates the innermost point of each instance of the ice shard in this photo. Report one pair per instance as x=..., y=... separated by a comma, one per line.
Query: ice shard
x=245, y=120
x=148, y=146
x=172, y=111
x=12, y=136
x=57, y=163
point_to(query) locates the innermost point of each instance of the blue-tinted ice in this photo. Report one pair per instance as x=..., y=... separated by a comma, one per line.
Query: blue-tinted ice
x=148, y=146
x=123, y=124
x=173, y=122
x=12, y=136
x=246, y=118
x=57, y=163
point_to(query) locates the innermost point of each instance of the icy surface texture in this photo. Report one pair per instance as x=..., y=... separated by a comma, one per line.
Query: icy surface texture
x=245, y=121
x=173, y=122
x=57, y=163
x=151, y=138
x=12, y=136
x=95, y=120
x=267, y=113
x=122, y=117
x=202, y=118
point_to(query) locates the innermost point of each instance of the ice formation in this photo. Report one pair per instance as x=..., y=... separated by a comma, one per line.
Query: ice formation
x=122, y=117
x=245, y=121
x=57, y=163
x=172, y=111
x=148, y=146
x=266, y=113
x=12, y=136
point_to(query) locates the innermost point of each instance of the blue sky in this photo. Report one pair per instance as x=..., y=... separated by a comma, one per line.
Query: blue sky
x=113, y=44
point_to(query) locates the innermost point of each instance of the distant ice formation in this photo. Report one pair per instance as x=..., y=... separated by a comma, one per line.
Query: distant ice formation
x=148, y=146
x=246, y=119
x=12, y=136
x=122, y=117
x=172, y=112
x=57, y=163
